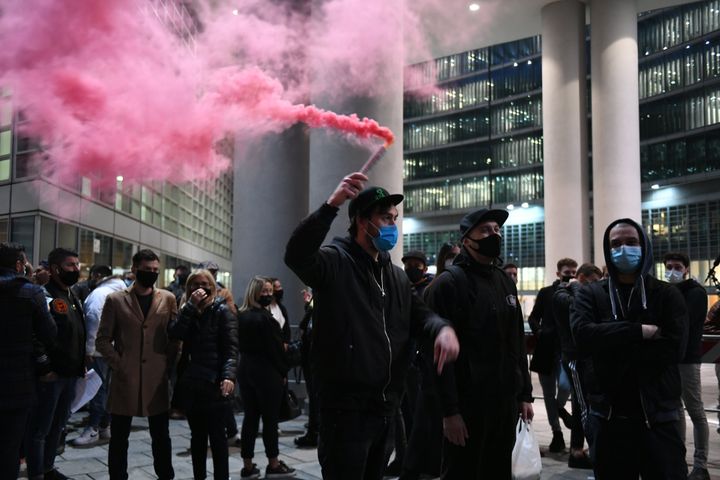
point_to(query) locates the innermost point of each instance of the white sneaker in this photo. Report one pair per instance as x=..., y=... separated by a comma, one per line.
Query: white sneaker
x=89, y=437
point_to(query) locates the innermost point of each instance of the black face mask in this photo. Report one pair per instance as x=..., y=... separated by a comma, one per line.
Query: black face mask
x=68, y=277
x=566, y=278
x=414, y=274
x=265, y=300
x=488, y=246
x=279, y=295
x=146, y=279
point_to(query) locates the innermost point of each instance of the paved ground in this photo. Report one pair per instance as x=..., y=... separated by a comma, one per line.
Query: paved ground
x=91, y=463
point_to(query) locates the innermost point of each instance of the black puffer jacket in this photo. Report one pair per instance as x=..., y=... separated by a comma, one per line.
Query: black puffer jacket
x=210, y=341
x=624, y=374
x=261, y=339
x=24, y=315
x=365, y=313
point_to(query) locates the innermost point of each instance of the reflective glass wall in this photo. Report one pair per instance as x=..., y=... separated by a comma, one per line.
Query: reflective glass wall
x=480, y=129
x=476, y=138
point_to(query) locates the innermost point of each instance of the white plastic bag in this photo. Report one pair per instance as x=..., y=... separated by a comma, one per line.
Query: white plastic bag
x=526, y=462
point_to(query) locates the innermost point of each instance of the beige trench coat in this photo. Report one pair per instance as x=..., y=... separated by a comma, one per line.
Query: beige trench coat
x=138, y=351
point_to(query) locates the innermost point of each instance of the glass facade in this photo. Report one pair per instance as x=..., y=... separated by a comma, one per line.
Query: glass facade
x=477, y=140
x=199, y=212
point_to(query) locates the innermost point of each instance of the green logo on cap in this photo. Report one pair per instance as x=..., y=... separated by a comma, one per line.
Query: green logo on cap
x=380, y=193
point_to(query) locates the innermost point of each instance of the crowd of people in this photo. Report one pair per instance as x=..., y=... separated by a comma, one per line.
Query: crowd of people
x=431, y=367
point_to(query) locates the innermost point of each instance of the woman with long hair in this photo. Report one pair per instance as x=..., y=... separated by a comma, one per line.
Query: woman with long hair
x=262, y=373
x=208, y=330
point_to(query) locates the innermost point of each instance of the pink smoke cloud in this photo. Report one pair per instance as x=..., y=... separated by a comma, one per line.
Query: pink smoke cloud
x=122, y=87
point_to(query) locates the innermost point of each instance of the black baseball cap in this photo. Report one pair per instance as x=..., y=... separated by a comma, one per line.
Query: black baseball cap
x=483, y=215
x=417, y=255
x=369, y=197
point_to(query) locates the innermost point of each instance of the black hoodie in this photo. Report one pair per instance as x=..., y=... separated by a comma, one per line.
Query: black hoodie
x=624, y=374
x=364, y=315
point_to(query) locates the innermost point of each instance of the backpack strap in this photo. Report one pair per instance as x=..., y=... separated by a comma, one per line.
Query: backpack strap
x=462, y=287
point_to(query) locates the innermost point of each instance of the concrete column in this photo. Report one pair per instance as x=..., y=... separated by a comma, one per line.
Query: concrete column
x=270, y=198
x=615, y=115
x=565, y=149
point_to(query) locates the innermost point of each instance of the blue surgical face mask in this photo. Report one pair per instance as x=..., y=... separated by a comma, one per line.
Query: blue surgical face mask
x=673, y=276
x=626, y=258
x=387, y=238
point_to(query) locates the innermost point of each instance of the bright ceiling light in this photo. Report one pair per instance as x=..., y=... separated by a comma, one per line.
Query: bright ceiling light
x=236, y=12
x=473, y=7
x=510, y=207
x=525, y=205
x=119, y=178
x=655, y=186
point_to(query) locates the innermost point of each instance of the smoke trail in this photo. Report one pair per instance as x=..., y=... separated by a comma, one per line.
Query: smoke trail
x=127, y=87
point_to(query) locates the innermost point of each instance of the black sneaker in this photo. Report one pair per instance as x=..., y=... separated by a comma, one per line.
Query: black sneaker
x=558, y=443
x=699, y=474
x=281, y=471
x=253, y=473
x=580, y=461
x=308, y=440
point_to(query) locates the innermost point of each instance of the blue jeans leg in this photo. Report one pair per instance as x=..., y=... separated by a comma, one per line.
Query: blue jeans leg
x=99, y=416
x=48, y=419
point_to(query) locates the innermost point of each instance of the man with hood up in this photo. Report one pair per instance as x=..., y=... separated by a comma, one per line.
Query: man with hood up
x=632, y=330
x=365, y=314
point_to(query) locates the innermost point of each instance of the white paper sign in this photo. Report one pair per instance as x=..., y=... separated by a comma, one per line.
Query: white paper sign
x=85, y=389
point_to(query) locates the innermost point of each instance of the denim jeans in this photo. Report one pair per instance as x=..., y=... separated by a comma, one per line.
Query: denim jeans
x=99, y=416
x=46, y=422
x=692, y=398
x=556, y=391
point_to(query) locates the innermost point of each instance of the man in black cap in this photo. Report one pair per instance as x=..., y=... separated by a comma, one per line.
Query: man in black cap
x=484, y=391
x=415, y=263
x=364, y=316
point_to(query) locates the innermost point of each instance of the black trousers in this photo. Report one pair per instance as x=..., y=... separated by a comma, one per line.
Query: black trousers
x=313, y=406
x=14, y=423
x=577, y=434
x=161, y=447
x=423, y=453
x=626, y=449
x=354, y=445
x=209, y=423
x=261, y=387
x=488, y=449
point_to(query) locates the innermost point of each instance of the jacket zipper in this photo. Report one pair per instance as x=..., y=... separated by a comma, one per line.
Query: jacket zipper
x=381, y=286
x=642, y=406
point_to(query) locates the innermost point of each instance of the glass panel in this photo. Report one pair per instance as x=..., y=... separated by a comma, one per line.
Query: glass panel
x=5, y=142
x=22, y=231
x=47, y=236
x=122, y=253
x=4, y=231
x=4, y=169
x=67, y=236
